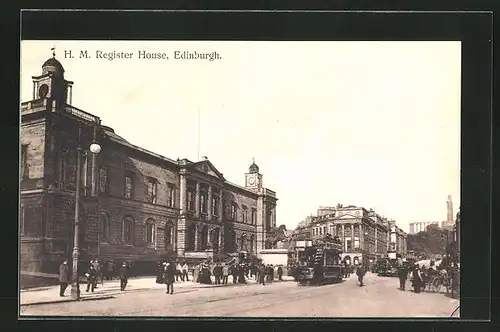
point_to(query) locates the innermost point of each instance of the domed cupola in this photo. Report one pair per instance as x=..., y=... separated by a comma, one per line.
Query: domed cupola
x=253, y=169
x=52, y=65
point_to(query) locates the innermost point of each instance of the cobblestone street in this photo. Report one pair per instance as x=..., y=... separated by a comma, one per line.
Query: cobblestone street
x=379, y=297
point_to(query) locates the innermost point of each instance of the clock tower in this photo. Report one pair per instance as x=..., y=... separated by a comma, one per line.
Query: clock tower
x=253, y=179
x=51, y=87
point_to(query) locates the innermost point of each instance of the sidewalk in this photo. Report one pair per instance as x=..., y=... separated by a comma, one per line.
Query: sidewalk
x=50, y=294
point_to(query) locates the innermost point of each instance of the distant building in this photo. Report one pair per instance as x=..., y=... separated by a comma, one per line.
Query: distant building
x=421, y=226
x=365, y=235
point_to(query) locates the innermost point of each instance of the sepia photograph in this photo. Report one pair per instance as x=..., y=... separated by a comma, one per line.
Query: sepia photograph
x=316, y=179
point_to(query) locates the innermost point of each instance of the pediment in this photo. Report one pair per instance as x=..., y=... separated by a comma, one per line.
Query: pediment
x=347, y=215
x=206, y=167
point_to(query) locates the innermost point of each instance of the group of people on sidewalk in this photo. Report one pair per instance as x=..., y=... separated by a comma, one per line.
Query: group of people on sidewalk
x=93, y=274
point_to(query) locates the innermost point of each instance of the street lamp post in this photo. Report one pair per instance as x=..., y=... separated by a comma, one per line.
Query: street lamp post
x=95, y=149
x=447, y=244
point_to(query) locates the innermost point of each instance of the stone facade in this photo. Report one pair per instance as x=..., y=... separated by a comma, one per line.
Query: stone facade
x=134, y=204
x=364, y=234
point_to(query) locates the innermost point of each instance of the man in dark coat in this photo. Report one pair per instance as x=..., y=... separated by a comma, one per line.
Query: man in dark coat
x=360, y=272
x=91, y=278
x=234, y=272
x=225, y=273
x=110, y=270
x=402, y=275
x=64, y=277
x=124, y=272
x=417, y=280
x=169, y=277
x=280, y=273
x=217, y=273
x=262, y=275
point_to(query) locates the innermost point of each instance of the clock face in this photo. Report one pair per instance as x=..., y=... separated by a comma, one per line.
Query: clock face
x=43, y=90
x=251, y=181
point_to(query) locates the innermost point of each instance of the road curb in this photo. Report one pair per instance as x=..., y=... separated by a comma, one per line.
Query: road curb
x=89, y=298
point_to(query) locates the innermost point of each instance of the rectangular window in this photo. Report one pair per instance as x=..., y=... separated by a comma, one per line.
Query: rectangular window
x=203, y=202
x=128, y=231
x=170, y=195
x=128, y=187
x=254, y=216
x=24, y=174
x=103, y=180
x=234, y=212
x=244, y=214
x=190, y=200
x=151, y=195
x=349, y=245
x=215, y=206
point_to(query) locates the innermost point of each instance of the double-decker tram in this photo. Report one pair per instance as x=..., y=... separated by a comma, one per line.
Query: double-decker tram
x=319, y=261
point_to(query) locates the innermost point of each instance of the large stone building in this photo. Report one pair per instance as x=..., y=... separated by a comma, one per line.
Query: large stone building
x=134, y=204
x=365, y=234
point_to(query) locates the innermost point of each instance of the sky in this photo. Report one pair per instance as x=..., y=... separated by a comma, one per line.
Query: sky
x=371, y=124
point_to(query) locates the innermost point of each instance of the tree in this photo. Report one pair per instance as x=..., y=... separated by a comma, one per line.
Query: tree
x=430, y=242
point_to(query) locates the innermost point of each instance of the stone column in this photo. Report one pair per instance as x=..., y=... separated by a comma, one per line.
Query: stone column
x=208, y=237
x=183, y=195
x=197, y=201
x=343, y=238
x=221, y=206
x=352, y=236
x=209, y=203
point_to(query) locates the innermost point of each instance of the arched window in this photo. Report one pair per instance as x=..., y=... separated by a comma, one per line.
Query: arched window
x=150, y=231
x=128, y=230
x=103, y=227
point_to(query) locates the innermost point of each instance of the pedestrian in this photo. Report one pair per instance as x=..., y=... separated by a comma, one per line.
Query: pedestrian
x=280, y=273
x=185, y=270
x=225, y=273
x=417, y=279
x=270, y=273
x=360, y=272
x=262, y=275
x=169, y=278
x=110, y=270
x=217, y=273
x=241, y=274
x=91, y=278
x=402, y=274
x=64, y=278
x=234, y=272
x=97, y=270
x=124, y=273
x=159, y=273
x=178, y=272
